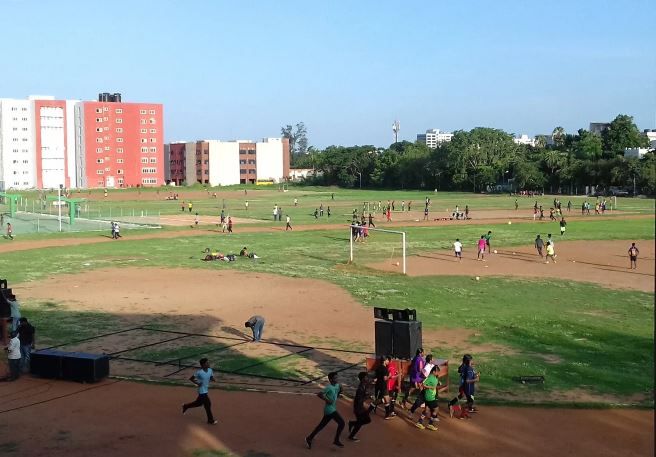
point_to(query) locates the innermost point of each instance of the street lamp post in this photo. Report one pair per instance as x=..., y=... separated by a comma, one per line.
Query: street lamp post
x=59, y=204
x=360, y=175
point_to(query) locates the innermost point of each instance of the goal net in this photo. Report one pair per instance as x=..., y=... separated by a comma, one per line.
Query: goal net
x=380, y=248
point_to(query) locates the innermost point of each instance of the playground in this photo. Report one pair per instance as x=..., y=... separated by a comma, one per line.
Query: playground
x=155, y=308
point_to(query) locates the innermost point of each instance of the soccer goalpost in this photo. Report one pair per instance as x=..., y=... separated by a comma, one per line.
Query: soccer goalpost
x=355, y=234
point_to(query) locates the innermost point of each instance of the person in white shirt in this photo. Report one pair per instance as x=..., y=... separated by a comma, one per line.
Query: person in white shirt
x=14, y=356
x=457, y=247
x=428, y=366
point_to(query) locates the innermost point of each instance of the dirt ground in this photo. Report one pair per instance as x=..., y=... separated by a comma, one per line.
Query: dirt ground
x=61, y=419
x=605, y=263
x=49, y=418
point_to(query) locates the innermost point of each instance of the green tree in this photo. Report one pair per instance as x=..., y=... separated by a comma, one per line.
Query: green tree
x=479, y=156
x=558, y=136
x=587, y=146
x=622, y=134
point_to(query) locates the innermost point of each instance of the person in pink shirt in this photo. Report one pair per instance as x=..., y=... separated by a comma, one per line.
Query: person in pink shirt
x=481, y=248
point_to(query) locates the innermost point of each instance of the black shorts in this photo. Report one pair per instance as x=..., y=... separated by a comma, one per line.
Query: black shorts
x=432, y=404
x=381, y=391
x=633, y=258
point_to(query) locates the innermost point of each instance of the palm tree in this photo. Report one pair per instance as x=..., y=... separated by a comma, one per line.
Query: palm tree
x=558, y=136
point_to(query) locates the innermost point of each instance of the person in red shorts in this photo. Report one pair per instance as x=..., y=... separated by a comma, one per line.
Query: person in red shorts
x=393, y=384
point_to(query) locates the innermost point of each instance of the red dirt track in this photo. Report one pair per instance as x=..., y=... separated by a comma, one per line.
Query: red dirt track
x=131, y=419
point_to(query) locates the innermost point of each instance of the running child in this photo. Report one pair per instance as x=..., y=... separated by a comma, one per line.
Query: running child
x=468, y=377
x=416, y=376
x=563, y=226
x=361, y=412
x=487, y=241
x=201, y=378
x=329, y=395
x=430, y=394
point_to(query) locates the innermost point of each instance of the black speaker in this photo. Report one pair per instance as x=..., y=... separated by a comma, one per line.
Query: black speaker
x=384, y=338
x=81, y=367
x=382, y=313
x=404, y=314
x=46, y=363
x=407, y=338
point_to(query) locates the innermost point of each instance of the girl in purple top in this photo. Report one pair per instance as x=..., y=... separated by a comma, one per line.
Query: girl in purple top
x=416, y=375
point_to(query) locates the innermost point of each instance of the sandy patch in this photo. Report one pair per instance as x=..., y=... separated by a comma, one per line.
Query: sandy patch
x=602, y=262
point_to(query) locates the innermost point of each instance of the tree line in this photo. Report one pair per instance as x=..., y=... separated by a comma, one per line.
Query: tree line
x=485, y=158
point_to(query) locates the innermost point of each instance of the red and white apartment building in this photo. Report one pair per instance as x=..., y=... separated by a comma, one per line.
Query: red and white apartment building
x=223, y=163
x=45, y=143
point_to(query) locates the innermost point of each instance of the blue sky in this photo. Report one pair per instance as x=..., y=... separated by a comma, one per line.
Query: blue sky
x=347, y=69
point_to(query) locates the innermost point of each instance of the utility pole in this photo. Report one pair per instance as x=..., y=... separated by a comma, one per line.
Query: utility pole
x=59, y=191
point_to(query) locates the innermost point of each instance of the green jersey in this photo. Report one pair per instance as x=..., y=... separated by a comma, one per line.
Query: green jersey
x=430, y=383
x=330, y=393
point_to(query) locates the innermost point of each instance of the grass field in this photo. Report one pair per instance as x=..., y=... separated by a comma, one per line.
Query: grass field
x=578, y=335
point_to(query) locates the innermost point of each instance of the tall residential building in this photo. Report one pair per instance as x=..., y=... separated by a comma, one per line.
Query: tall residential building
x=119, y=144
x=47, y=143
x=434, y=137
x=225, y=163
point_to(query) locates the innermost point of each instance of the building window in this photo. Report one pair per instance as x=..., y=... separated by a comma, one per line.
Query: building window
x=251, y=172
x=107, y=148
x=107, y=169
x=119, y=130
x=98, y=110
x=251, y=152
x=153, y=130
x=119, y=171
x=144, y=149
x=99, y=140
x=153, y=149
x=242, y=151
x=119, y=120
x=119, y=111
x=143, y=122
x=152, y=120
x=153, y=140
x=98, y=149
x=252, y=162
x=119, y=160
x=153, y=160
x=144, y=140
x=152, y=111
x=100, y=172
x=144, y=160
x=119, y=140
x=120, y=181
x=149, y=180
x=143, y=131
x=149, y=170
x=142, y=111
x=99, y=119
x=99, y=129
x=100, y=161
x=119, y=150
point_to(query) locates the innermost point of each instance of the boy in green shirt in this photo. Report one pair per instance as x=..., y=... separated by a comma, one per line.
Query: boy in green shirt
x=430, y=395
x=329, y=395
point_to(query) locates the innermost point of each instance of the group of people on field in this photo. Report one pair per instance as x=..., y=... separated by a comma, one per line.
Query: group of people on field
x=423, y=383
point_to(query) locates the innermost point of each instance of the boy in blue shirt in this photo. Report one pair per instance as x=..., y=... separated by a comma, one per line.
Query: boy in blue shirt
x=329, y=395
x=202, y=379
